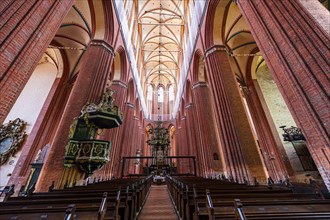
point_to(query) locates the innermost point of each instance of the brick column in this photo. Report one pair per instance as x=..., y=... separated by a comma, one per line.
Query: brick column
x=125, y=135
x=177, y=140
x=141, y=146
x=193, y=133
x=121, y=90
x=297, y=53
x=113, y=135
x=27, y=28
x=88, y=87
x=178, y=146
x=274, y=154
x=241, y=154
x=184, y=147
x=133, y=144
x=204, y=120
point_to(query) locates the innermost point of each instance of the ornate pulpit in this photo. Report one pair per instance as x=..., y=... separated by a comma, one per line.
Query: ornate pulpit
x=84, y=149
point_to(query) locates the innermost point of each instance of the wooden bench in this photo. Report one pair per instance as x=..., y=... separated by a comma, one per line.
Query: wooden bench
x=262, y=202
x=88, y=202
x=315, y=209
x=56, y=206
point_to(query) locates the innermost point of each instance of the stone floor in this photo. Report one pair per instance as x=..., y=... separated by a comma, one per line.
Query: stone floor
x=158, y=205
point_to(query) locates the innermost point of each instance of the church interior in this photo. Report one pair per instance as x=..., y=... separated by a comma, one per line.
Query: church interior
x=165, y=109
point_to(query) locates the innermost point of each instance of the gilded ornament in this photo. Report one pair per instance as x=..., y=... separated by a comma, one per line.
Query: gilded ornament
x=12, y=137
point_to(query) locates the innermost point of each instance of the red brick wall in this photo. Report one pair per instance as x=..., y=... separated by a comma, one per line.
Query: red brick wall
x=27, y=28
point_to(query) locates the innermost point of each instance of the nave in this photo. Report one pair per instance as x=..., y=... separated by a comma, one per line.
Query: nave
x=96, y=96
x=158, y=205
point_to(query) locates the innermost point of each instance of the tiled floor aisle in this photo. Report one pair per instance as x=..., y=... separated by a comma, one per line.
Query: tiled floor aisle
x=158, y=205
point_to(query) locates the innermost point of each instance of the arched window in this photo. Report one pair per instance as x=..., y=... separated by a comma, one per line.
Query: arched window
x=171, y=93
x=161, y=94
x=149, y=93
x=215, y=156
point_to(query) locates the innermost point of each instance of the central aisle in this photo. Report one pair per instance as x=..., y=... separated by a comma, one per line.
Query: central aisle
x=158, y=205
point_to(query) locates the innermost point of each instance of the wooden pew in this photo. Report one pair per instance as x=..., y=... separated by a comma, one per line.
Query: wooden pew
x=90, y=202
x=92, y=207
x=315, y=209
x=196, y=204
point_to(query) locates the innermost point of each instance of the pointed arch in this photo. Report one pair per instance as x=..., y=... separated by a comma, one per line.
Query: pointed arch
x=188, y=95
x=130, y=98
x=119, y=66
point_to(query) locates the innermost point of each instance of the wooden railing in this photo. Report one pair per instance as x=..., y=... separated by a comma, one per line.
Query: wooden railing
x=239, y=214
x=69, y=213
x=103, y=207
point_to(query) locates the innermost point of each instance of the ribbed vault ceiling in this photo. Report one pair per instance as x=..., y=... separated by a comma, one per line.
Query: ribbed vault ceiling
x=161, y=27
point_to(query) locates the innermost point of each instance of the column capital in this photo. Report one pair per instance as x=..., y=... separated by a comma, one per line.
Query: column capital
x=215, y=48
x=130, y=105
x=199, y=84
x=245, y=90
x=102, y=43
x=119, y=83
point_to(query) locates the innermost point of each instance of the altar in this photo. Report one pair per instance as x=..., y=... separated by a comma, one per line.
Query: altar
x=158, y=179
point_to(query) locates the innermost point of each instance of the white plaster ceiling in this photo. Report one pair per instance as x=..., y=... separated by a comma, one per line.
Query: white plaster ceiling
x=73, y=36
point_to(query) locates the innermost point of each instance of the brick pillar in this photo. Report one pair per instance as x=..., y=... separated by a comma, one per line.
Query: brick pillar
x=120, y=95
x=240, y=151
x=113, y=135
x=27, y=28
x=128, y=138
x=193, y=138
x=274, y=154
x=184, y=146
x=178, y=146
x=297, y=53
x=88, y=87
x=141, y=146
x=204, y=120
x=125, y=135
x=191, y=130
x=133, y=143
x=136, y=143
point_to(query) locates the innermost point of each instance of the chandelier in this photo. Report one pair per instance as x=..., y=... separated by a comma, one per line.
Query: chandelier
x=292, y=134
